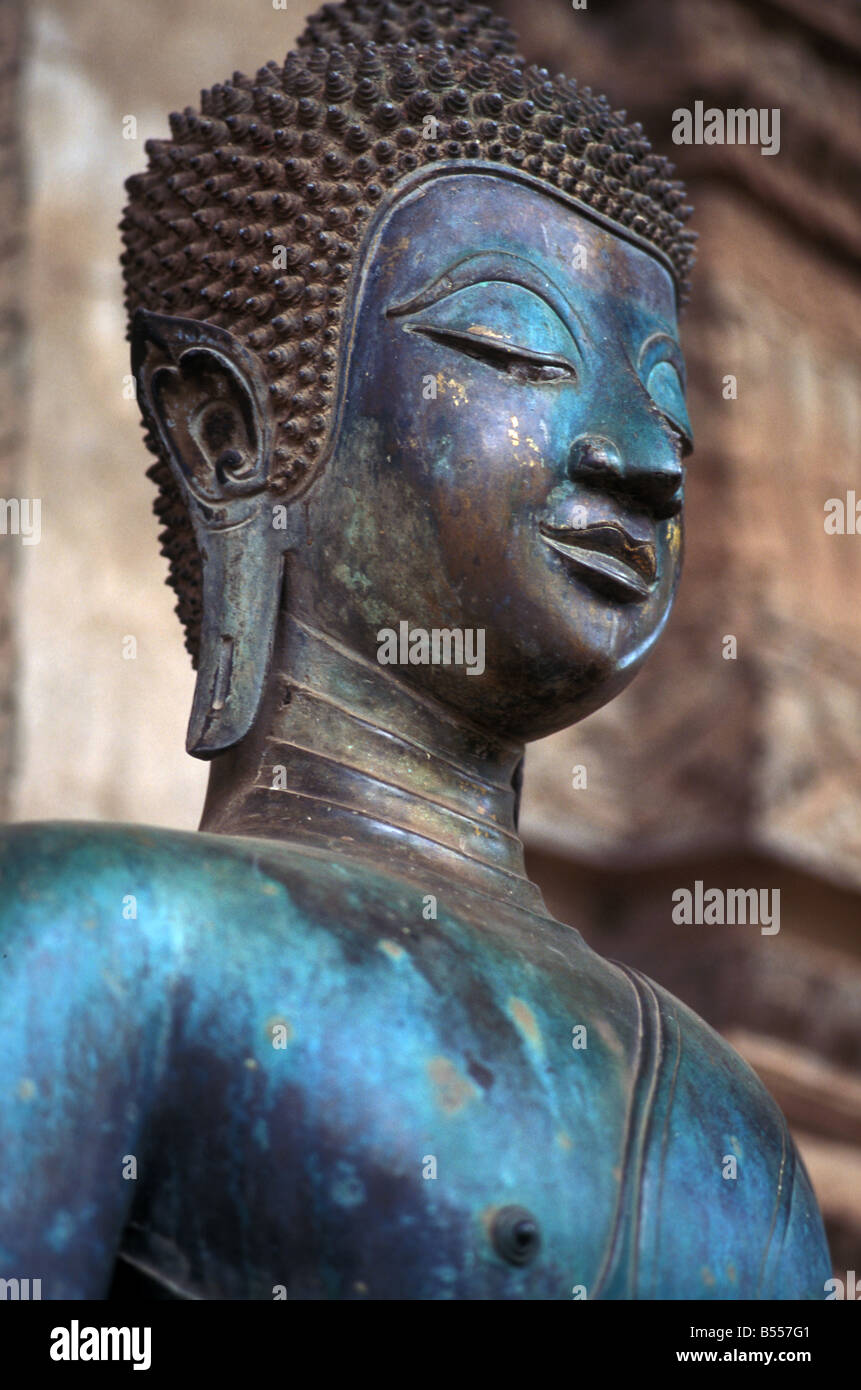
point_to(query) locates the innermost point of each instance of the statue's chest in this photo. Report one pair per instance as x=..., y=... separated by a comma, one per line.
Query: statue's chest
x=402, y=1124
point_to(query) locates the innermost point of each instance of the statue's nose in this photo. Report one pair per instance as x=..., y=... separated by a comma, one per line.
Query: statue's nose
x=650, y=477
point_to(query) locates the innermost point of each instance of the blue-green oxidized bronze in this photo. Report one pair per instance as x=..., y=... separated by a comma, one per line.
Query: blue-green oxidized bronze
x=348, y=1050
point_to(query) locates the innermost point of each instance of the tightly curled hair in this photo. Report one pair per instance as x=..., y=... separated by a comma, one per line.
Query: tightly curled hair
x=294, y=160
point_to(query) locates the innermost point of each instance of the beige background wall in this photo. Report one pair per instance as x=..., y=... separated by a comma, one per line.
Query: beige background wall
x=100, y=736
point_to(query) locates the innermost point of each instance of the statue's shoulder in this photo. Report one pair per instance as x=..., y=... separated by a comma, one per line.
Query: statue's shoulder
x=172, y=896
x=123, y=926
x=720, y=1164
x=91, y=874
x=94, y=873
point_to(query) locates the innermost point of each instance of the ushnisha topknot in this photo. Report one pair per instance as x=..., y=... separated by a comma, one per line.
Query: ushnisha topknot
x=298, y=156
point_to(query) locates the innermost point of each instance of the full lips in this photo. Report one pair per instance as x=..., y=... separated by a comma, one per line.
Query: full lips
x=606, y=555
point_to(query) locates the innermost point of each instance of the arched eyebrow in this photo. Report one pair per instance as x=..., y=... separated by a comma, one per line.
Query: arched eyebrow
x=502, y=266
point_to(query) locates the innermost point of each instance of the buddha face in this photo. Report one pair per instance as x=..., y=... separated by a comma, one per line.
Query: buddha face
x=508, y=452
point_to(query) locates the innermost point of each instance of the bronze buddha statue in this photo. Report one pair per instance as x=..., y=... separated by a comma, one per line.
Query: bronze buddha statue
x=404, y=328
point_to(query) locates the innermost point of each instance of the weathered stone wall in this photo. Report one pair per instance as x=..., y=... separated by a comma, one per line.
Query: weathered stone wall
x=12, y=366
x=100, y=735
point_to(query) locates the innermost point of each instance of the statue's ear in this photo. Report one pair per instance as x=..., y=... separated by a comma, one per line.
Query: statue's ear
x=204, y=396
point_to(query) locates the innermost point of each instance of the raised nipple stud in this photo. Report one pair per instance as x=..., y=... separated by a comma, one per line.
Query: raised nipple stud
x=515, y=1235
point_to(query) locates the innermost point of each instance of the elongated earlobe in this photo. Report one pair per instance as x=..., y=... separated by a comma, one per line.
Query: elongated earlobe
x=237, y=632
x=203, y=394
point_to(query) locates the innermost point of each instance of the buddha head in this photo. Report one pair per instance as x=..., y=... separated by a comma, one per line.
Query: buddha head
x=404, y=329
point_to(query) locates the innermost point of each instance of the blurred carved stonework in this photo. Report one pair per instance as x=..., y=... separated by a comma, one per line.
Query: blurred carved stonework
x=11, y=355
x=742, y=772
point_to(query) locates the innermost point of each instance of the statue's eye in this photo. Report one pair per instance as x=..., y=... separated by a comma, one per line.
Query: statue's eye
x=666, y=390
x=518, y=363
x=504, y=325
x=662, y=370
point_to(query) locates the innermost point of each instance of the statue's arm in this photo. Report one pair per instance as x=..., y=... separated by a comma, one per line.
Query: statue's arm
x=78, y=1059
x=728, y=1211
x=797, y=1264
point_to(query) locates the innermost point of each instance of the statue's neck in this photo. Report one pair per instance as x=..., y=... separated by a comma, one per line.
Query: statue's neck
x=347, y=758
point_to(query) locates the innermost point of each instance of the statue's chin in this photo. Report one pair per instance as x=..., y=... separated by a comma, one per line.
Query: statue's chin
x=534, y=702
x=564, y=712
x=556, y=702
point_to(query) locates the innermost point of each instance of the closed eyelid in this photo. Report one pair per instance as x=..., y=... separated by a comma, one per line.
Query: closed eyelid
x=661, y=347
x=498, y=352
x=484, y=345
x=662, y=350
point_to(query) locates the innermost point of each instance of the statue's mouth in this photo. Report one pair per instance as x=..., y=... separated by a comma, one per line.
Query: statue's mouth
x=605, y=556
